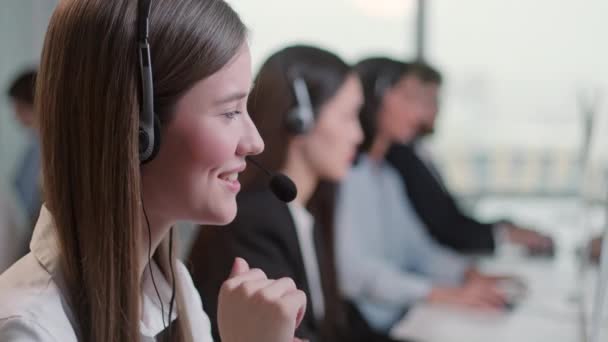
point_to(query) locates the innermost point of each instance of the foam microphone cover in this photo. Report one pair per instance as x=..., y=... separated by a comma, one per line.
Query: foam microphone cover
x=283, y=187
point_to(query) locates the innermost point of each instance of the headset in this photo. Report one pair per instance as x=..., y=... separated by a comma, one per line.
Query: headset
x=149, y=125
x=301, y=118
x=149, y=140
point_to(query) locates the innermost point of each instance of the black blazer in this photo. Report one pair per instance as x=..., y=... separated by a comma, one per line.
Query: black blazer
x=436, y=207
x=264, y=234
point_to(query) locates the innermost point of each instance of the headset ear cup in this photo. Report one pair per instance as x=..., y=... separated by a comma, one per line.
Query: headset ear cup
x=144, y=141
x=157, y=138
x=294, y=121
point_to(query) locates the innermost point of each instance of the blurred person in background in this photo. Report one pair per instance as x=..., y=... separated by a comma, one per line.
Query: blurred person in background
x=13, y=239
x=428, y=193
x=386, y=259
x=15, y=232
x=27, y=177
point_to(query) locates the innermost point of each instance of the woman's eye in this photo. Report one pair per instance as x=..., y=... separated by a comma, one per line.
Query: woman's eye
x=232, y=115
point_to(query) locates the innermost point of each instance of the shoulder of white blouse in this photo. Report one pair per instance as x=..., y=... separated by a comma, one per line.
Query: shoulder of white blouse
x=22, y=329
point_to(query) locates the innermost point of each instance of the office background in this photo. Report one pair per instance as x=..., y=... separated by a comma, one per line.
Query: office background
x=519, y=75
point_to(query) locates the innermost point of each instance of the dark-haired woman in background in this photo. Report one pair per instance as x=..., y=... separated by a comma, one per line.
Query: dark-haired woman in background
x=305, y=104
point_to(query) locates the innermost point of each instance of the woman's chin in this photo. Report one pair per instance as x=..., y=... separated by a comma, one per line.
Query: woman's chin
x=220, y=216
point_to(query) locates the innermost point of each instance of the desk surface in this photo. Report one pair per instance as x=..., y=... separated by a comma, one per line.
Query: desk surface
x=551, y=312
x=554, y=309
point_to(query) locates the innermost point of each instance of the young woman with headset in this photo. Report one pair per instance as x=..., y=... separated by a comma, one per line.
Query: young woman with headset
x=136, y=136
x=305, y=103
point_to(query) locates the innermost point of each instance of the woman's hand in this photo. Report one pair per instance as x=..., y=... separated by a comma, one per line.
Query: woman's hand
x=252, y=307
x=473, y=294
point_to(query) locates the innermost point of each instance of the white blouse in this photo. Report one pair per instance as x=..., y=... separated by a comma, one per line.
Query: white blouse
x=34, y=306
x=304, y=222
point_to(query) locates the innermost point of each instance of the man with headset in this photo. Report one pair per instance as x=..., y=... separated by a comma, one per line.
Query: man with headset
x=430, y=196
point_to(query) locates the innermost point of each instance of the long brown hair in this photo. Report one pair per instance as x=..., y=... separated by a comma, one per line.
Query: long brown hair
x=270, y=100
x=87, y=97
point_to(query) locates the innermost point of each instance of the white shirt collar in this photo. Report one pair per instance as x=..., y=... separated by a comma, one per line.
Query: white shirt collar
x=302, y=217
x=45, y=248
x=44, y=244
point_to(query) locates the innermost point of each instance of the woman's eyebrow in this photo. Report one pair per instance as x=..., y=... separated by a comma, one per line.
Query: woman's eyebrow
x=235, y=96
